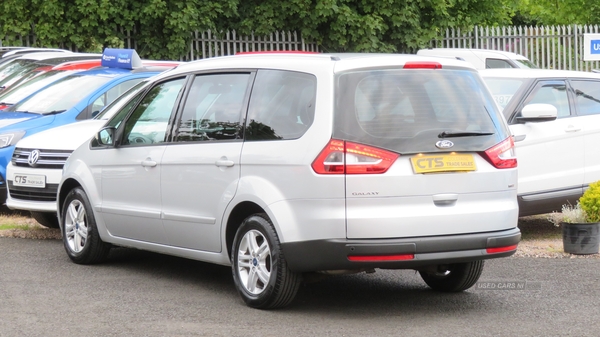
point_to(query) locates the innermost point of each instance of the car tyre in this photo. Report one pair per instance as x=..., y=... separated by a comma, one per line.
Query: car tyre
x=79, y=232
x=45, y=219
x=260, y=270
x=454, y=277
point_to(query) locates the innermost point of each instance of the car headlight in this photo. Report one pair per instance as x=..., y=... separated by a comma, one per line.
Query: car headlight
x=8, y=139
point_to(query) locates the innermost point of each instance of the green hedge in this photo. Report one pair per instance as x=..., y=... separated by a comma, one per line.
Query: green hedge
x=162, y=27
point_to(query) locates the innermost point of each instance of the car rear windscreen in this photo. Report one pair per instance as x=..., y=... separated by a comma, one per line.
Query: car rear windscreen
x=407, y=111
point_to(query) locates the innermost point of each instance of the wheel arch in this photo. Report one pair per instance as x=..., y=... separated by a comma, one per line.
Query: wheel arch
x=240, y=212
x=64, y=189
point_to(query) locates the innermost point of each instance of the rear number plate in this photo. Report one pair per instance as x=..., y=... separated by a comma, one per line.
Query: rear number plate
x=29, y=180
x=443, y=163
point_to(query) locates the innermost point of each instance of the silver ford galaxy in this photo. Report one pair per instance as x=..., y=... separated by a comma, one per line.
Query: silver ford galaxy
x=286, y=164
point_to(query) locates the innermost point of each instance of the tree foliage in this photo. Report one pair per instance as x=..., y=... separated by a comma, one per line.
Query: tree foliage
x=559, y=12
x=162, y=28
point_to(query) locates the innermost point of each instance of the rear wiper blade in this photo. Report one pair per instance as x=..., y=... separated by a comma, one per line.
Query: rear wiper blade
x=53, y=112
x=450, y=134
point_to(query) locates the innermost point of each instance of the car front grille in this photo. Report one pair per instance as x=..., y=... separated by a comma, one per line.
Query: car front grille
x=52, y=159
x=32, y=193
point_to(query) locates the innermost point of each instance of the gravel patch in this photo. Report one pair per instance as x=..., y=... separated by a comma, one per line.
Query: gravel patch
x=540, y=238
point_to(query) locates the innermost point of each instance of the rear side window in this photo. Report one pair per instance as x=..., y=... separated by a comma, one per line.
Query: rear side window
x=406, y=110
x=213, y=109
x=587, y=95
x=282, y=105
x=497, y=63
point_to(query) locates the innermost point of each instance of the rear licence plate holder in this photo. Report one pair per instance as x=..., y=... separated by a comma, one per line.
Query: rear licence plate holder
x=443, y=163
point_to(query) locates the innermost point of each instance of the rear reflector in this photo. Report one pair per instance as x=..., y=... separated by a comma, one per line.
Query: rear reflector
x=379, y=258
x=496, y=250
x=341, y=157
x=502, y=155
x=422, y=65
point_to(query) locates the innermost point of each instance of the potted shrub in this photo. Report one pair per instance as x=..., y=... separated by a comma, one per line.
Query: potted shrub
x=581, y=223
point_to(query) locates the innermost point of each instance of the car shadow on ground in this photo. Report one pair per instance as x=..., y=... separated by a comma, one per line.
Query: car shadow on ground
x=381, y=291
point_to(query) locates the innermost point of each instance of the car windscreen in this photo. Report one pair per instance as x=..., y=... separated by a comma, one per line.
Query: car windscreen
x=61, y=95
x=16, y=75
x=503, y=88
x=407, y=110
x=17, y=65
x=526, y=64
x=20, y=91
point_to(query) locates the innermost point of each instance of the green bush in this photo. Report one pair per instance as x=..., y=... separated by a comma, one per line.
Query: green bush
x=590, y=202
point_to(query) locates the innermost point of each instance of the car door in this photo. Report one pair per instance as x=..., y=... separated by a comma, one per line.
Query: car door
x=130, y=173
x=550, y=153
x=587, y=102
x=201, y=166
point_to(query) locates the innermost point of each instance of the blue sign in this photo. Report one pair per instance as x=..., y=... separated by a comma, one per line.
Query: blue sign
x=595, y=47
x=120, y=58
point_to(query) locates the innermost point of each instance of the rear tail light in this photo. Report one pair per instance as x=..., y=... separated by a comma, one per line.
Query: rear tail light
x=341, y=157
x=422, y=65
x=502, y=155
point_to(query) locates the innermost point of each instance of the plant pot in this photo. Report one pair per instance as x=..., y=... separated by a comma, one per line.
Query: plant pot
x=581, y=238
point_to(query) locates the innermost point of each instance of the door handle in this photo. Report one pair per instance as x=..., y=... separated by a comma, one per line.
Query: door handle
x=148, y=163
x=224, y=162
x=572, y=128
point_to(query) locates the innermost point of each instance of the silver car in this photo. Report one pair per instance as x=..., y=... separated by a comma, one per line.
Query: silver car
x=285, y=164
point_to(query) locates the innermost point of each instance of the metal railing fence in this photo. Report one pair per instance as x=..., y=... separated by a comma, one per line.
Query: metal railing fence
x=550, y=47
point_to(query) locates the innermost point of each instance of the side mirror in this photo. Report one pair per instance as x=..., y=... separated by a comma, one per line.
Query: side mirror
x=539, y=112
x=105, y=137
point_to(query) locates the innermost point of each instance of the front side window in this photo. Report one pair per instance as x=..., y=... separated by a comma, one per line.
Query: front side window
x=587, y=97
x=282, y=105
x=553, y=93
x=117, y=111
x=213, y=108
x=149, y=121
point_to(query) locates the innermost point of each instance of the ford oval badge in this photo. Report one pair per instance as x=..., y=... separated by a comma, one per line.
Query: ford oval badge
x=444, y=144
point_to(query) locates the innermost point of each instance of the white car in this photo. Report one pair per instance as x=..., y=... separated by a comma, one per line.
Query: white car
x=482, y=58
x=554, y=117
x=36, y=165
x=285, y=164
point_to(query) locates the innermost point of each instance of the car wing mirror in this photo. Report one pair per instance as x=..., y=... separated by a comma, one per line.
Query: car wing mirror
x=105, y=137
x=539, y=112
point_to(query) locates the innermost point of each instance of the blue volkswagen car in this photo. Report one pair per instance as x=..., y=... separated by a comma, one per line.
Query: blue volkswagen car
x=76, y=97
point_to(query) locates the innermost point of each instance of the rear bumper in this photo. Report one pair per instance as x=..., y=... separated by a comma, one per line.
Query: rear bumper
x=335, y=254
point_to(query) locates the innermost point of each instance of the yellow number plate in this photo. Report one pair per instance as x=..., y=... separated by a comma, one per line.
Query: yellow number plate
x=443, y=163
